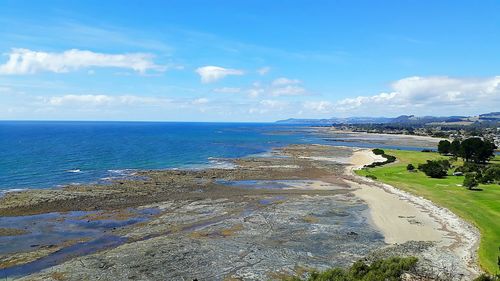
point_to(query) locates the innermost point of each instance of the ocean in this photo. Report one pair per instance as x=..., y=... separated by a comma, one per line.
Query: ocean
x=41, y=154
x=47, y=154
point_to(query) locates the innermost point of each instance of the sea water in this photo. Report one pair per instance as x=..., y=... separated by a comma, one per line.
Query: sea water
x=42, y=154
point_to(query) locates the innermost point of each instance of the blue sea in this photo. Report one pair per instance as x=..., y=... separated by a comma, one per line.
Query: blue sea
x=49, y=154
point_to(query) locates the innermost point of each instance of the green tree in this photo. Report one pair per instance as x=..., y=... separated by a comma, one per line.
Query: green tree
x=410, y=167
x=491, y=174
x=470, y=181
x=444, y=147
x=435, y=169
x=477, y=150
x=455, y=147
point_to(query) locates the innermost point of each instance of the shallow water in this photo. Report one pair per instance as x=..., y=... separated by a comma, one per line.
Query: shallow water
x=83, y=233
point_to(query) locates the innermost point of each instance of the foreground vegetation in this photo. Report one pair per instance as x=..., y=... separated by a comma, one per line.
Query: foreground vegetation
x=388, y=269
x=480, y=206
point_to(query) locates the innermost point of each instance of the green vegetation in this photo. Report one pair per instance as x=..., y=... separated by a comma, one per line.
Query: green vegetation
x=410, y=167
x=378, y=151
x=389, y=269
x=444, y=147
x=435, y=168
x=470, y=181
x=473, y=149
x=481, y=208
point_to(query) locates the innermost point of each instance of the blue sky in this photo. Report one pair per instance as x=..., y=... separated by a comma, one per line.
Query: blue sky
x=247, y=60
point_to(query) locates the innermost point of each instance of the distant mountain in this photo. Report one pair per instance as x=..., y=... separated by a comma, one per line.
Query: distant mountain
x=349, y=120
x=493, y=116
x=403, y=119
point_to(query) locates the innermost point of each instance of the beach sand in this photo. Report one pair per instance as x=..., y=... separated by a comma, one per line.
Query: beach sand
x=403, y=217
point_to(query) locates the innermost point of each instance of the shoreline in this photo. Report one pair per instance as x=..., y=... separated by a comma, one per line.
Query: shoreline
x=403, y=217
x=308, y=190
x=429, y=138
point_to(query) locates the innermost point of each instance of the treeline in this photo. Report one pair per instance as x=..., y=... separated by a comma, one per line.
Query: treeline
x=474, y=149
x=476, y=154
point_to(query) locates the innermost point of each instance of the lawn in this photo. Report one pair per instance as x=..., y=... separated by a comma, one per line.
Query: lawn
x=482, y=208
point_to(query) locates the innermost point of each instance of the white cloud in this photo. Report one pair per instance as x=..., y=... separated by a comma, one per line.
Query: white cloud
x=429, y=95
x=289, y=90
x=263, y=70
x=103, y=100
x=25, y=61
x=200, y=101
x=209, y=74
x=319, y=106
x=227, y=90
x=265, y=106
x=5, y=89
x=283, y=81
x=277, y=88
x=286, y=87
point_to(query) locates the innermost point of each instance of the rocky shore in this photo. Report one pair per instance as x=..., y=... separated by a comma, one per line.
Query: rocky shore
x=268, y=217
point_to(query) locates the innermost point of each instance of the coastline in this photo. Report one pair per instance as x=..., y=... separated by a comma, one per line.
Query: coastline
x=294, y=195
x=403, y=217
x=428, y=138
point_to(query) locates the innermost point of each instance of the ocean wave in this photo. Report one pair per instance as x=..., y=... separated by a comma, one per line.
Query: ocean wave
x=74, y=171
x=5, y=191
x=220, y=163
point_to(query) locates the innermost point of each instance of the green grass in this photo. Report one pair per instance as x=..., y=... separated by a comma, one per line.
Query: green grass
x=482, y=208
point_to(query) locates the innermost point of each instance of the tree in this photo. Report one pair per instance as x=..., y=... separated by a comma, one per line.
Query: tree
x=491, y=174
x=410, y=167
x=435, y=169
x=455, y=147
x=444, y=147
x=470, y=181
x=477, y=150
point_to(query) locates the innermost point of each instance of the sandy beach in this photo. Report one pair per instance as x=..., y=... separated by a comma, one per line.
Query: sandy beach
x=404, y=217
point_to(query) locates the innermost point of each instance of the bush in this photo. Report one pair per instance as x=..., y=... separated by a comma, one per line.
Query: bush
x=470, y=181
x=378, y=151
x=385, y=269
x=435, y=169
x=491, y=174
x=410, y=167
x=485, y=277
x=373, y=177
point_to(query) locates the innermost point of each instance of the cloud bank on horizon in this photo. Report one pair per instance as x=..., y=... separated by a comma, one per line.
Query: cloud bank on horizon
x=192, y=69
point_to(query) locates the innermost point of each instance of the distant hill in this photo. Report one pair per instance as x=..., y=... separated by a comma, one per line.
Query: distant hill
x=403, y=119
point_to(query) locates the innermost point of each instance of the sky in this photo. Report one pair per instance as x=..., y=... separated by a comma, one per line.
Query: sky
x=249, y=61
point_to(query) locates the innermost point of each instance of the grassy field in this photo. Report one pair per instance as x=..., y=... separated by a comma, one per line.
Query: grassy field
x=482, y=208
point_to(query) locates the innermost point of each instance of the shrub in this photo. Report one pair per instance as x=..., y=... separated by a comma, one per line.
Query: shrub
x=470, y=181
x=491, y=175
x=385, y=269
x=485, y=277
x=410, y=167
x=435, y=169
x=378, y=151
